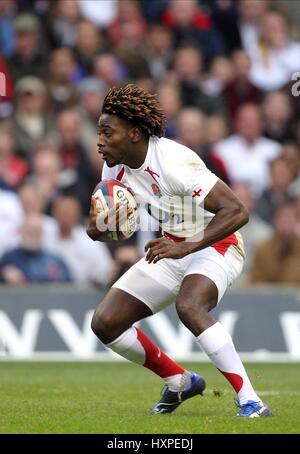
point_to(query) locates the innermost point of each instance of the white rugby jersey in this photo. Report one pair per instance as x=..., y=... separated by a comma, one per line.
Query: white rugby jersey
x=172, y=184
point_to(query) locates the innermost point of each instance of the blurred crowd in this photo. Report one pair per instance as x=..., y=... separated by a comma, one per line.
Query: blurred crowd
x=223, y=71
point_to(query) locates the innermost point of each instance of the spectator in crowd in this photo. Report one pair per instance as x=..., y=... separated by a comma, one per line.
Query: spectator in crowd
x=46, y=175
x=276, y=56
x=219, y=67
x=188, y=73
x=13, y=169
x=109, y=69
x=225, y=17
x=129, y=27
x=290, y=10
x=32, y=121
x=102, y=17
x=276, y=260
x=293, y=161
x=191, y=125
x=298, y=128
x=89, y=42
x=291, y=154
x=191, y=128
x=251, y=14
x=158, y=50
x=276, y=194
x=63, y=22
x=169, y=96
x=190, y=24
x=240, y=90
x=246, y=154
x=29, y=263
x=33, y=202
x=29, y=57
x=256, y=231
x=88, y=262
x=91, y=95
x=153, y=10
x=74, y=157
x=11, y=219
x=297, y=206
x=6, y=91
x=277, y=110
x=62, y=72
x=128, y=34
x=219, y=76
x=7, y=42
x=216, y=129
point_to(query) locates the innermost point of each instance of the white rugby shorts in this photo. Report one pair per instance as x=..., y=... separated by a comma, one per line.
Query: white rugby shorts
x=158, y=284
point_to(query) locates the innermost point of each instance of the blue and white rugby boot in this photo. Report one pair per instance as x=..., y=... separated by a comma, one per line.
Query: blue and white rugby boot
x=253, y=409
x=170, y=400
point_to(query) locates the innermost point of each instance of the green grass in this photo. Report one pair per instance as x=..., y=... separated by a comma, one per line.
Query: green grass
x=116, y=397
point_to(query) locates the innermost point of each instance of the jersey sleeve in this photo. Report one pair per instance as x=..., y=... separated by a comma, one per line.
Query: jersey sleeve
x=192, y=178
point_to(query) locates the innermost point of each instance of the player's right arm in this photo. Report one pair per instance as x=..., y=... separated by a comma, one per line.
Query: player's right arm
x=94, y=219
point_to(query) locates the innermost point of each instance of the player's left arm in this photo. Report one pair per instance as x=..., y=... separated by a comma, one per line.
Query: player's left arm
x=230, y=215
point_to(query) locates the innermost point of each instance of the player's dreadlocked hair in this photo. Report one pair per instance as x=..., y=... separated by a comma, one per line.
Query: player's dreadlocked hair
x=136, y=105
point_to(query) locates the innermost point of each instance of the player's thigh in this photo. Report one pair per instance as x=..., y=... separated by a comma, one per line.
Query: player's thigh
x=220, y=270
x=197, y=294
x=156, y=285
x=116, y=313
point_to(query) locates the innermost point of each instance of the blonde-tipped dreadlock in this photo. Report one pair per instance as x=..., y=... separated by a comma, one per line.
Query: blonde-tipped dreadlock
x=137, y=106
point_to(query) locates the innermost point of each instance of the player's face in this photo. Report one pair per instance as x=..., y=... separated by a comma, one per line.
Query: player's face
x=113, y=139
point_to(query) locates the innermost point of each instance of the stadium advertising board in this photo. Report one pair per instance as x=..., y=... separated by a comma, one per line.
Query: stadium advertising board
x=44, y=322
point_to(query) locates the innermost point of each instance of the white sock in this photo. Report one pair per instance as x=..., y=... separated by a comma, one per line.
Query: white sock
x=179, y=382
x=138, y=348
x=128, y=346
x=218, y=345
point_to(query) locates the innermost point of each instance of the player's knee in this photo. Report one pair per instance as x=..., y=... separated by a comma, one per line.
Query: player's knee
x=101, y=325
x=184, y=309
x=189, y=309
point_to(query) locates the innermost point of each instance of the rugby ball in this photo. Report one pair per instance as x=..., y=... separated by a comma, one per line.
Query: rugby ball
x=107, y=194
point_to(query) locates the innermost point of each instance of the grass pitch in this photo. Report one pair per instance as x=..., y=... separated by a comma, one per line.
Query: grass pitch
x=115, y=398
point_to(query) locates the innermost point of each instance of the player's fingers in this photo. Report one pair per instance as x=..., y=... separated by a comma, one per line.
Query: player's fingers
x=111, y=218
x=150, y=256
x=152, y=243
x=123, y=215
x=93, y=209
x=117, y=215
x=112, y=221
x=160, y=256
x=153, y=252
x=161, y=252
x=102, y=221
x=123, y=209
x=157, y=258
